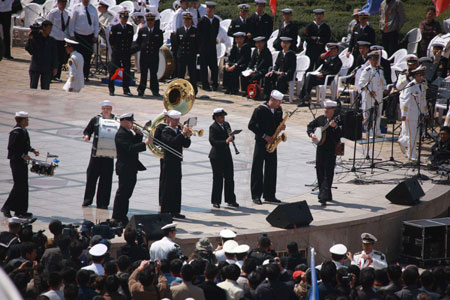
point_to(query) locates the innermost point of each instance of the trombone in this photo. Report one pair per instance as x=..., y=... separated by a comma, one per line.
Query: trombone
x=160, y=143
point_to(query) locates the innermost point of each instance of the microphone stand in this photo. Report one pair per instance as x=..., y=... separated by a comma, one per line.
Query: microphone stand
x=421, y=120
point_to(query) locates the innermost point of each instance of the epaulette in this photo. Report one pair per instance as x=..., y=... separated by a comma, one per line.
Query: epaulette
x=379, y=254
x=368, y=68
x=357, y=253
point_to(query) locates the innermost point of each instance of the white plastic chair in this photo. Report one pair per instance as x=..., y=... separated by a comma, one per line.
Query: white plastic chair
x=347, y=62
x=270, y=44
x=302, y=65
x=414, y=36
x=166, y=17
x=274, y=34
x=442, y=105
x=299, y=41
x=398, y=56
x=274, y=56
x=225, y=23
x=129, y=5
x=115, y=9
x=47, y=7
x=33, y=11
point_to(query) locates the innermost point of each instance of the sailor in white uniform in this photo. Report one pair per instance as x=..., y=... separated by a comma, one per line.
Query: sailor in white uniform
x=225, y=234
x=75, y=82
x=369, y=257
x=160, y=249
x=372, y=84
x=229, y=248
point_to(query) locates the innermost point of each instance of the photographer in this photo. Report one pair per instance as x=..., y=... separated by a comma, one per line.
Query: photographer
x=135, y=251
x=44, y=57
x=28, y=251
x=10, y=238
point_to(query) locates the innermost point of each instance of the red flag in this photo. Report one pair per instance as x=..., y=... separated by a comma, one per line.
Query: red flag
x=440, y=5
x=273, y=5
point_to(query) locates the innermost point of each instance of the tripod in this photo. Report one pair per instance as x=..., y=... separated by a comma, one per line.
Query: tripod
x=393, y=116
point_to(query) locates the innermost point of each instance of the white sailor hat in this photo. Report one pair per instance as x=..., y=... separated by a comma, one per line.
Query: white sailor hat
x=373, y=54
x=332, y=45
x=277, y=95
x=239, y=33
x=411, y=57
x=210, y=3
x=286, y=39
x=220, y=112
x=173, y=114
x=364, y=43
x=338, y=249
x=260, y=1
x=419, y=69
x=106, y=103
x=22, y=114
x=227, y=234
x=98, y=250
x=69, y=41
x=241, y=249
x=124, y=13
x=318, y=11
x=437, y=44
x=187, y=15
x=259, y=38
x=368, y=238
x=425, y=59
x=16, y=220
x=229, y=246
x=330, y=103
x=244, y=6
x=127, y=116
x=170, y=227
x=104, y=2
x=363, y=14
x=286, y=11
x=376, y=47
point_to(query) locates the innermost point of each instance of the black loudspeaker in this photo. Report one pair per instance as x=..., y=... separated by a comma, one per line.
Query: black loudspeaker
x=151, y=224
x=290, y=215
x=350, y=121
x=407, y=192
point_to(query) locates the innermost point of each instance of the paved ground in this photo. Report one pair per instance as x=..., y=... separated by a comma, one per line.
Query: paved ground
x=57, y=121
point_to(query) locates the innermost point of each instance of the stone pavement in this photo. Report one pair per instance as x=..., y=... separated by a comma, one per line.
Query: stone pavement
x=57, y=121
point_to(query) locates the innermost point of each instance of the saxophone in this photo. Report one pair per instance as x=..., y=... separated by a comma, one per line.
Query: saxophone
x=276, y=137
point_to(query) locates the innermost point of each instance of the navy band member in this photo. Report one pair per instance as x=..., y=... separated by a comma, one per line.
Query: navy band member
x=384, y=63
x=128, y=146
x=264, y=121
x=208, y=28
x=260, y=61
x=317, y=35
x=18, y=148
x=160, y=249
x=283, y=71
x=149, y=40
x=176, y=139
x=368, y=257
x=185, y=49
x=120, y=39
x=240, y=24
x=361, y=32
x=158, y=133
x=260, y=23
x=100, y=168
x=221, y=160
x=288, y=28
x=236, y=63
x=326, y=154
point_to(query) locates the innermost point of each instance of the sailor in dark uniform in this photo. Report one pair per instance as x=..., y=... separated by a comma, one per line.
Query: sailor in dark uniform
x=283, y=71
x=128, y=146
x=260, y=23
x=317, y=35
x=362, y=32
x=99, y=167
x=18, y=148
x=176, y=139
x=120, y=39
x=325, y=153
x=260, y=62
x=221, y=160
x=157, y=137
x=185, y=49
x=236, y=63
x=288, y=28
x=263, y=123
x=361, y=59
x=149, y=40
x=240, y=24
x=208, y=28
x=331, y=66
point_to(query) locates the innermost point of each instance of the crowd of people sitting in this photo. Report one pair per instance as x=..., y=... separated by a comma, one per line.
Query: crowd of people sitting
x=73, y=264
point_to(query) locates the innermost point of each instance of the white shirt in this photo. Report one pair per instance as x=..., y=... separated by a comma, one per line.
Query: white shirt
x=76, y=76
x=96, y=268
x=54, y=16
x=220, y=255
x=160, y=249
x=6, y=5
x=413, y=101
x=233, y=290
x=378, y=260
x=201, y=9
x=105, y=19
x=54, y=295
x=177, y=20
x=79, y=21
x=373, y=79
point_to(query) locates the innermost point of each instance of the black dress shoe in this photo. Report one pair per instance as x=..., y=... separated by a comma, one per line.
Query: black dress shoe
x=178, y=216
x=111, y=94
x=227, y=92
x=323, y=203
x=215, y=205
x=9, y=57
x=257, y=201
x=86, y=203
x=23, y=215
x=140, y=94
x=274, y=200
x=128, y=93
x=207, y=89
x=102, y=207
x=86, y=80
x=6, y=213
x=156, y=94
x=234, y=204
x=235, y=93
x=214, y=88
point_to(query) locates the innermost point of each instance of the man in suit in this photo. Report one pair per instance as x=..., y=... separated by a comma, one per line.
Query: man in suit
x=260, y=62
x=221, y=160
x=260, y=23
x=240, y=24
x=263, y=123
x=120, y=39
x=128, y=146
x=283, y=71
x=288, y=28
x=326, y=154
x=149, y=40
x=185, y=49
x=331, y=66
x=176, y=139
x=361, y=32
x=208, y=28
x=236, y=63
x=317, y=35
x=18, y=148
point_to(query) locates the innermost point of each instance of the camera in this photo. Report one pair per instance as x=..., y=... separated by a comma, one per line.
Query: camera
x=107, y=230
x=35, y=27
x=70, y=230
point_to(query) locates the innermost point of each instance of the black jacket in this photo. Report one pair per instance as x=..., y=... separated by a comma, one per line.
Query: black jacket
x=207, y=33
x=333, y=135
x=274, y=290
x=149, y=43
x=158, y=132
x=217, y=139
x=264, y=123
x=367, y=34
x=331, y=65
x=386, y=66
x=19, y=143
x=260, y=27
x=121, y=39
x=316, y=46
x=286, y=63
x=260, y=63
x=185, y=43
x=134, y=252
x=43, y=52
x=237, y=25
x=239, y=57
x=176, y=141
x=290, y=30
x=128, y=147
x=212, y=291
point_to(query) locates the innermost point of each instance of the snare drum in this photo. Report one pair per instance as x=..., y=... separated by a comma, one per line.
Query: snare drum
x=106, y=145
x=166, y=63
x=43, y=168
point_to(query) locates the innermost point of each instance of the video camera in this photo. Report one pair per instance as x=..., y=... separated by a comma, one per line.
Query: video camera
x=107, y=229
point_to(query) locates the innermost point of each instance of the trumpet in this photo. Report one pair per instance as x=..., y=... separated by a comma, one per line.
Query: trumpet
x=198, y=132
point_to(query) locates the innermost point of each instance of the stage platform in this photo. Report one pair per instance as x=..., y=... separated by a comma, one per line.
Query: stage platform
x=56, y=124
